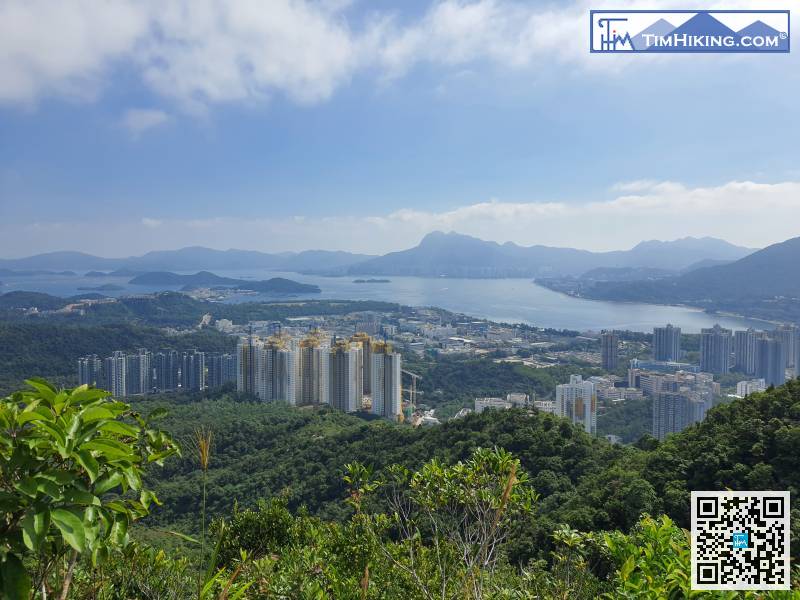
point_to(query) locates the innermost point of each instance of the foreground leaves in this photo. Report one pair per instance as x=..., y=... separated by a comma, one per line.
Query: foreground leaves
x=68, y=460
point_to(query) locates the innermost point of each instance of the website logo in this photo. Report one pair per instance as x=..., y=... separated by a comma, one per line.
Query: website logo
x=741, y=539
x=689, y=31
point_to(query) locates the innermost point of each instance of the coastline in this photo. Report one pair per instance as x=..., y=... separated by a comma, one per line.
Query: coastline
x=510, y=300
x=693, y=307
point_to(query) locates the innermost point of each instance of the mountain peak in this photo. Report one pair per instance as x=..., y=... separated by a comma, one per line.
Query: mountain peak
x=705, y=242
x=449, y=237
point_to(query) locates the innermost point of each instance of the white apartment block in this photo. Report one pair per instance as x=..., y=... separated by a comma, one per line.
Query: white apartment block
x=481, y=404
x=577, y=401
x=751, y=386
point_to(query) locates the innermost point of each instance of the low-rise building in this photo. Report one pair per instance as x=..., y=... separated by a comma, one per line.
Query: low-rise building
x=750, y=386
x=547, y=406
x=482, y=404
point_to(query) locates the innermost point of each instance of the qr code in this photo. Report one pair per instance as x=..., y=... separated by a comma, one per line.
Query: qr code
x=740, y=541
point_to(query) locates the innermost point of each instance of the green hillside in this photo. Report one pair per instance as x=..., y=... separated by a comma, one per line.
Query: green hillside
x=265, y=450
x=771, y=275
x=311, y=503
x=175, y=309
x=52, y=349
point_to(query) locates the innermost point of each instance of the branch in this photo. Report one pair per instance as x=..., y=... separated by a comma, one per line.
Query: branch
x=68, y=577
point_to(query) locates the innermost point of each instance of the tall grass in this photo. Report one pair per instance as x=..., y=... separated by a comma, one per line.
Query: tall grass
x=202, y=440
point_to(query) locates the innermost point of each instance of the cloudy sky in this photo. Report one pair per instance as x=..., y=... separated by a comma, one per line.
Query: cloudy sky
x=129, y=125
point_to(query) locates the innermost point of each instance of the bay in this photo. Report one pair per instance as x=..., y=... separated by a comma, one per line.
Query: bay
x=506, y=300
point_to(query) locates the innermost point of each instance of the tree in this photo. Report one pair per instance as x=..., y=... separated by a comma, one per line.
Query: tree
x=71, y=464
x=463, y=510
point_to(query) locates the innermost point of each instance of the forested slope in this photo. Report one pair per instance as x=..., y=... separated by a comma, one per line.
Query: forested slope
x=52, y=349
x=265, y=450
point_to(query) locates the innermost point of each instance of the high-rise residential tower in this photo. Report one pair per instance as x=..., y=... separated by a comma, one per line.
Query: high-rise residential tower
x=789, y=335
x=577, y=401
x=609, y=350
x=248, y=360
x=116, y=374
x=675, y=411
x=771, y=365
x=193, y=371
x=345, y=376
x=667, y=343
x=745, y=350
x=386, y=369
x=715, y=350
x=220, y=369
x=366, y=356
x=281, y=370
x=313, y=363
x=90, y=371
x=166, y=366
x=139, y=373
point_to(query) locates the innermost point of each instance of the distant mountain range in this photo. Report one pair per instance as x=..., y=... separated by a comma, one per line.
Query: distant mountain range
x=188, y=259
x=773, y=271
x=438, y=254
x=456, y=255
x=764, y=284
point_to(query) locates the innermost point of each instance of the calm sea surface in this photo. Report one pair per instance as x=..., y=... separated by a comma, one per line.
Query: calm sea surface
x=509, y=300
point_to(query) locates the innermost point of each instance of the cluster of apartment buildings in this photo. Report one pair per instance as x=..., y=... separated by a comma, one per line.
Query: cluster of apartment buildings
x=681, y=394
x=576, y=400
x=767, y=355
x=666, y=346
x=349, y=374
x=679, y=398
x=144, y=372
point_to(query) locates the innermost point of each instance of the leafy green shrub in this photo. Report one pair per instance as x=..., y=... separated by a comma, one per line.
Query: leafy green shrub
x=70, y=464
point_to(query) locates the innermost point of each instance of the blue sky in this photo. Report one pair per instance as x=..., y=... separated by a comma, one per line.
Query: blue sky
x=279, y=125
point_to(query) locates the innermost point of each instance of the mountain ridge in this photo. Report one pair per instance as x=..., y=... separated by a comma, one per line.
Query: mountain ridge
x=187, y=259
x=438, y=254
x=457, y=255
x=764, y=284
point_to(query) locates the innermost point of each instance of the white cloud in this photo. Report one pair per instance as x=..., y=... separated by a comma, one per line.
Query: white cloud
x=209, y=51
x=662, y=211
x=197, y=52
x=63, y=47
x=512, y=34
x=152, y=223
x=139, y=120
x=203, y=52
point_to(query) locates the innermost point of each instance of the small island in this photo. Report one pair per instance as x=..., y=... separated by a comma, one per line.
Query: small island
x=202, y=279
x=372, y=281
x=108, y=287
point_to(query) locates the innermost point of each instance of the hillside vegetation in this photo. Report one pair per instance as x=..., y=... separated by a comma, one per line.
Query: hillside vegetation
x=265, y=450
x=772, y=290
x=274, y=502
x=52, y=350
x=174, y=309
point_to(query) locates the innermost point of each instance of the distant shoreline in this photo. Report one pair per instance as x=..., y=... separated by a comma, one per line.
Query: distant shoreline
x=675, y=305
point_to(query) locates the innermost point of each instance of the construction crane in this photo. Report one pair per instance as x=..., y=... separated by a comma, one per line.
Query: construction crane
x=412, y=391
